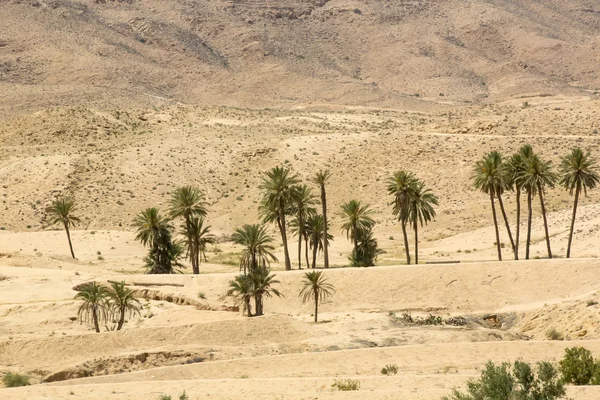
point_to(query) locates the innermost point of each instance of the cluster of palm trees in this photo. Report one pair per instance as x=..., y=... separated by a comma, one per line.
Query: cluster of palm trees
x=413, y=205
x=155, y=231
x=526, y=172
x=101, y=304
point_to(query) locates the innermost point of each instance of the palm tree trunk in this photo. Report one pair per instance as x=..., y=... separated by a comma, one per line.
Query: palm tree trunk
x=496, y=225
x=306, y=250
x=315, y=249
x=257, y=305
x=95, y=319
x=416, y=242
x=300, y=230
x=545, y=220
x=406, y=249
x=324, y=204
x=518, y=223
x=69, y=239
x=121, y=318
x=510, y=237
x=288, y=264
x=577, y=191
x=248, y=307
x=529, y=216
x=316, y=306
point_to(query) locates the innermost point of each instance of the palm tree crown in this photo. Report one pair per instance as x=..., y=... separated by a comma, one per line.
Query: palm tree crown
x=186, y=202
x=151, y=227
x=94, y=306
x=122, y=301
x=578, y=170
x=488, y=174
x=257, y=250
x=357, y=218
x=315, y=287
x=61, y=212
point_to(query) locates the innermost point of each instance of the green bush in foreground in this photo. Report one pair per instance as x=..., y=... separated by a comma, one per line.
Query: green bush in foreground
x=579, y=368
x=521, y=382
x=11, y=380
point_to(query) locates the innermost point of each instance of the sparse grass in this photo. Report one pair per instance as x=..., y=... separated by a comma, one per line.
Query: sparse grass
x=390, y=369
x=553, y=334
x=12, y=380
x=201, y=295
x=346, y=385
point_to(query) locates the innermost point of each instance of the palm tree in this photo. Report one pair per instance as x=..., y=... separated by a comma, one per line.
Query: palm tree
x=241, y=289
x=197, y=237
x=315, y=232
x=488, y=177
x=420, y=210
x=61, y=211
x=187, y=202
x=320, y=179
x=257, y=250
x=401, y=186
x=577, y=172
x=280, y=190
x=94, y=304
x=294, y=228
x=165, y=259
x=538, y=174
x=367, y=251
x=302, y=210
x=122, y=301
x=262, y=286
x=525, y=153
x=152, y=228
x=512, y=168
x=316, y=288
x=357, y=218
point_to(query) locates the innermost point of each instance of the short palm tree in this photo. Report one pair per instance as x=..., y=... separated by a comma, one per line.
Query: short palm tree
x=421, y=211
x=316, y=288
x=279, y=188
x=187, y=202
x=316, y=236
x=489, y=178
x=61, y=212
x=401, y=186
x=257, y=248
x=262, y=282
x=356, y=218
x=538, y=175
x=197, y=238
x=367, y=251
x=578, y=171
x=95, y=304
x=241, y=290
x=321, y=179
x=122, y=301
x=303, y=208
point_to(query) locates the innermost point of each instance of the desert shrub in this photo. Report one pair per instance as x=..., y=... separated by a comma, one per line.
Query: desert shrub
x=11, y=380
x=346, y=385
x=456, y=321
x=577, y=366
x=553, y=334
x=501, y=382
x=390, y=369
x=165, y=397
x=430, y=320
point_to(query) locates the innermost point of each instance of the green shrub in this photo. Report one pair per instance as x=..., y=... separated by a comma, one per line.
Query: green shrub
x=346, y=385
x=11, y=380
x=501, y=382
x=553, y=334
x=165, y=397
x=577, y=366
x=390, y=369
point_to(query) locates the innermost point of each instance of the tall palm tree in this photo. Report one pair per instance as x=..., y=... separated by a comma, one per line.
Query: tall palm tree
x=401, y=186
x=241, y=289
x=316, y=234
x=538, y=174
x=197, y=238
x=61, y=212
x=302, y=210
x=316, y=288
x=488, y=177
x=257, y=250
x=262, y=282
x=512, y=168
x=294, y=228
x=188, y=202
x=525, y=153
x=421, y=211
x=122, y=301
x=280, y=190
x=578, y=171
x=320, y=179
x=356, y=218
x=94, y=306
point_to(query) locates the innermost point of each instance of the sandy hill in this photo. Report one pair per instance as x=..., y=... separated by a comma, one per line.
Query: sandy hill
x=288, y=53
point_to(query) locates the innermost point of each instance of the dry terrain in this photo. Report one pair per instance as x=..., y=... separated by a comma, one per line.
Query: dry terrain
x=117, y=103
